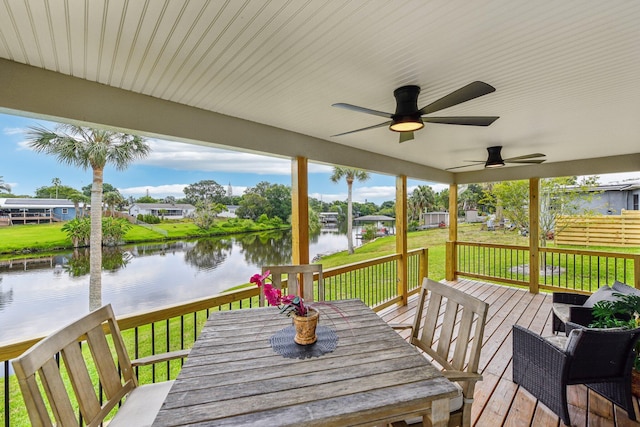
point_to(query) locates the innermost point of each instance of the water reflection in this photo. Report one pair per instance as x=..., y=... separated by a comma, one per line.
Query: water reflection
x=266, y=248
x=113, y=259
x=42, y=294
x=6, y=297
x=208, y=253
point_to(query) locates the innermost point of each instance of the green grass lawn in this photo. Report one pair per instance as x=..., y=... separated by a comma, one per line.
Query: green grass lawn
x=433, y=239
x=44, y=237
x=24, y=239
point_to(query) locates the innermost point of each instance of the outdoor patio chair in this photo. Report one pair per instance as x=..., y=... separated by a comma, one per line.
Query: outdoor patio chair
x=451, y=335
x=577, y=308
x=42, y=372
x=601, y=359
x=293, y=275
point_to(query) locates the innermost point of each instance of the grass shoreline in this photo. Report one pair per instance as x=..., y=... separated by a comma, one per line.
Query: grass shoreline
x=21, y=241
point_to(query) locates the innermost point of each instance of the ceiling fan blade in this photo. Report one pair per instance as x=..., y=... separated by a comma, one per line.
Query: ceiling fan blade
x=537, y=162
x=462, y=120
x=405, y=136
x=465, y=166
x=526, y=156
x=367, y=128
x=464, y=94
x=362, y=110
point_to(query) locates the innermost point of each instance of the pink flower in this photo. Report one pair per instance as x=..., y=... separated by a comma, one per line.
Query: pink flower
x=288, y=304
x=259, y=279
x=273, y=295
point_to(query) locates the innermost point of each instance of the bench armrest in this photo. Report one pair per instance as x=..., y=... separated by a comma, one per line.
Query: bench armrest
x=401, y=325
x=160, y=357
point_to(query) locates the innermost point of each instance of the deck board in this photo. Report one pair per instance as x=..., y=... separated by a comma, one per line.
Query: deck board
x=498, y=401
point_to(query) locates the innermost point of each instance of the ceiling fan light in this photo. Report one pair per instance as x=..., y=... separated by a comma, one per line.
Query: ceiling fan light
x=406, y=118
x=494, y=164
x=406, y=124
x=495, y=158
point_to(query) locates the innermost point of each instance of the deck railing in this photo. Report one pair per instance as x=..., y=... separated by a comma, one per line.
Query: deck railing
x=568, y=269
x=176, y=327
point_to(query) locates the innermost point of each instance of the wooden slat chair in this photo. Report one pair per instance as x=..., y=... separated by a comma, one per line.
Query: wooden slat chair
x=454, y=344
x=40, y=375
x=293, y=274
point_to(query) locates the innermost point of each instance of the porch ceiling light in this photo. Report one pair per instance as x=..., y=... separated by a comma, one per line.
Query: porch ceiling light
x=407, y=117
x=495, y=159
x=406, y=123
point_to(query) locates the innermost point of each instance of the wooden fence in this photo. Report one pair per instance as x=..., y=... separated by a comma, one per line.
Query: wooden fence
x=599, y=230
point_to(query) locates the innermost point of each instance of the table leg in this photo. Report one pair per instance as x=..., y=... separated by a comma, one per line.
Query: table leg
x=439, y=413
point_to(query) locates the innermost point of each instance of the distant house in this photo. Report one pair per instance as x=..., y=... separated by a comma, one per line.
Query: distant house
x=611, y=199
x=35, y=211
x=328, y=217
x=166, y=210
x=230, y=212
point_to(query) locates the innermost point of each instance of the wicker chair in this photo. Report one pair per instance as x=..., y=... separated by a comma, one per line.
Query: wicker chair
x=577, y=308
x=567, y=307
x=601, y=359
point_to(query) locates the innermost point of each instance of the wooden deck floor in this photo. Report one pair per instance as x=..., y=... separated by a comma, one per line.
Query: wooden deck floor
x=500, y=402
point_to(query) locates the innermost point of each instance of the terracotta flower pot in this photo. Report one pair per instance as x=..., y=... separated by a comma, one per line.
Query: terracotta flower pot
x=306, y=327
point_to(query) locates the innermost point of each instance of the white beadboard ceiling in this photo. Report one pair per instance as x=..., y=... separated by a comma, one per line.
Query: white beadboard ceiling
x=566, y=73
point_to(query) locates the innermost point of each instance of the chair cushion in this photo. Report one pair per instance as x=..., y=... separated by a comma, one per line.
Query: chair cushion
x=604, y=293
x=566, y=343
x=559, y=341
x=624, y=289
x=142, y=405
x=563, y=311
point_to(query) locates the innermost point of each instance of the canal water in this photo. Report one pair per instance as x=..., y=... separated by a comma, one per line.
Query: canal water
x=44, y=294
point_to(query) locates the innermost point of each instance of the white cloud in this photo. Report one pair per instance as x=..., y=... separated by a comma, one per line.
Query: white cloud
x=12, y=131
x=616, y=178
x=24, y=145
x=183, y=156
x=158, y=191
x=174, y=190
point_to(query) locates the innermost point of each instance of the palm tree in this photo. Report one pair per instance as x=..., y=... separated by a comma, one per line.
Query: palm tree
x=90, y=148
x=350, y=175
x=76, y=197
x=422, y=199
x=56, y=183
x=3, y=186
x=114, y=200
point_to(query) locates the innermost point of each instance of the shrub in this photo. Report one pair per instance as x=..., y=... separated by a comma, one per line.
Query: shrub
x=368, y=232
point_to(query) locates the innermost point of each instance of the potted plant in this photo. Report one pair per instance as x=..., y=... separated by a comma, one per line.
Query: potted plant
x=305, y=318
x=621, y=313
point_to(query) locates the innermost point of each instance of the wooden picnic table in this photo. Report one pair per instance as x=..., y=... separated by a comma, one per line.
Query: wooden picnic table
x=233, y=376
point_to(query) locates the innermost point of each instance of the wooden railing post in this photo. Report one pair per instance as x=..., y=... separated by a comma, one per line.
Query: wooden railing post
x=424, y=264
x=401, y=237
x=451, y=259
x=299, y=211
x=534, y=234
x=300, y=214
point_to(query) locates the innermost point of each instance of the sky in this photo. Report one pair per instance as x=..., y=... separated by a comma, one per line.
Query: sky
x=173, y=165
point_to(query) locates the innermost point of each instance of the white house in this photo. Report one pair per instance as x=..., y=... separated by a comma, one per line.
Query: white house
x=166, y=210
x=230, y=212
